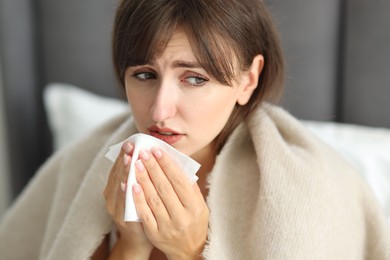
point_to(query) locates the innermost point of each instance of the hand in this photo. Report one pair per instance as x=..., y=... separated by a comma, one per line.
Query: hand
x=173, y=212
x=132, y=238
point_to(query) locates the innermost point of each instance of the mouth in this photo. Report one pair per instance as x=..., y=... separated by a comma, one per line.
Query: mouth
x=165, y=134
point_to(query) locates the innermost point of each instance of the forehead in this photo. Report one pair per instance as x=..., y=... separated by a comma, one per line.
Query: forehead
x=177, y=48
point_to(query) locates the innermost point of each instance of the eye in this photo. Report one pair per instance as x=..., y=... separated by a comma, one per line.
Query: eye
x=196, y=80
x=143, y=76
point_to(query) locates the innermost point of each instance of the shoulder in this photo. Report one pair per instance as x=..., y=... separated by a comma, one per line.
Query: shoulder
x=319, y=169
x=282, y=133
x=304, y=172
x=294, y=184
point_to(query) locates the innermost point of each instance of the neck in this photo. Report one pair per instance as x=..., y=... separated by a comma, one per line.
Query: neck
x=206, y=157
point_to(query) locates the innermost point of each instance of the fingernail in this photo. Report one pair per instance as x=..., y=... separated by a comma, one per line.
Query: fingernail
x=136, y=188
x=157, y=152
x=139, y=165
x=144, y=155
x=126, y=159
x=127, y=147
x=123, y=186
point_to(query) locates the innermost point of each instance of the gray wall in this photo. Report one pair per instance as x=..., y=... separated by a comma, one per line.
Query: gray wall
x=22, y=96
x=75, y=43
x=46, y=41
x=310, y=38
x=4, y=170
x=367, y=63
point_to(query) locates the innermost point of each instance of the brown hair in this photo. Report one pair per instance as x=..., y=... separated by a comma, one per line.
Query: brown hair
x=220, y=32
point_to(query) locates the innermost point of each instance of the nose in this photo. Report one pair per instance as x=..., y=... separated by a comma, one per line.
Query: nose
x=164, y=105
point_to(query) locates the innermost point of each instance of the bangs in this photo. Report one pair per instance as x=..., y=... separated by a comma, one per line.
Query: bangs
x=142, y=36
x=214, y=53
x=144, y=48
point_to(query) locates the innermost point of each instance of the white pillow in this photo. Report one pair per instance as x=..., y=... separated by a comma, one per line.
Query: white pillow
x=73, y=112
x=366, y=148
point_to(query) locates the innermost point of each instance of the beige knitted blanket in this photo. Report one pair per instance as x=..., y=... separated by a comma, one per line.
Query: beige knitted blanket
x=276, y=192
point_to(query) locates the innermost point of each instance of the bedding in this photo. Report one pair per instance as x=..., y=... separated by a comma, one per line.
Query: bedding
x=307, y=203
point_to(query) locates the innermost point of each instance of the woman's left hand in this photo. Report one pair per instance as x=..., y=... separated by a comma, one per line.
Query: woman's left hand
x=173, y=212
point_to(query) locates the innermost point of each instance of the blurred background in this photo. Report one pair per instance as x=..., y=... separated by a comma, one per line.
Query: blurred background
x=338, y=68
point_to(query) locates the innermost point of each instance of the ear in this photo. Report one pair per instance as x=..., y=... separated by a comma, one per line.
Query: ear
x=250, y=79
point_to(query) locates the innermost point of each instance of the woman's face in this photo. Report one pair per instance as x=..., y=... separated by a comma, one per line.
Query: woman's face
x=175, y=100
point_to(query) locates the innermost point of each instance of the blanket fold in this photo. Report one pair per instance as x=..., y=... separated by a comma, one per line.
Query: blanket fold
x=275, y=192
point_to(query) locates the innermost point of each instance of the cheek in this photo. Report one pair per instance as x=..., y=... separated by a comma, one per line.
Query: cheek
x=213, y=114
x=138, y=104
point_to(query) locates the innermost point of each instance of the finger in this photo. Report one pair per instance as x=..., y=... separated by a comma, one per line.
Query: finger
x=121, y=189
x=162, y=184
x=111, y=186
x=127, y=147
x=178, y=180
x=121, y=183
x=124, y=159
x=143, y=210
x=112, y=176
x=152, y=197
x=120, y=206
x=113, y=183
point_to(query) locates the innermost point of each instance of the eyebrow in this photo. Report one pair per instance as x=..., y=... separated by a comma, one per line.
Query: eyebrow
x=181, y=64
x=185, y=64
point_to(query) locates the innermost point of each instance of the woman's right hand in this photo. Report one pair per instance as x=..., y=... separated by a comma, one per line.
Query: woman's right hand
x=132, y=241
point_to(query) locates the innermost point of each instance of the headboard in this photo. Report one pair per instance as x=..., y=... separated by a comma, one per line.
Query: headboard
x=338, y=63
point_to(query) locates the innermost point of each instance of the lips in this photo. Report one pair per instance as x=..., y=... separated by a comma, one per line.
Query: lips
x=165, y=134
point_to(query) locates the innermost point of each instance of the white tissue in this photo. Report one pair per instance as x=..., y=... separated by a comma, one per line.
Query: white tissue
x=147, y=142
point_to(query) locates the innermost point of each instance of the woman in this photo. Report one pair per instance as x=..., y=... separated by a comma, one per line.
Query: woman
x=199, y=75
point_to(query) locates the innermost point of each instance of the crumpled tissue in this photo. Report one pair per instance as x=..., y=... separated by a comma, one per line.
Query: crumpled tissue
x=147, y=142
